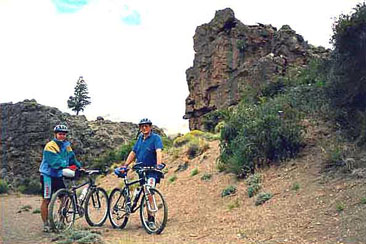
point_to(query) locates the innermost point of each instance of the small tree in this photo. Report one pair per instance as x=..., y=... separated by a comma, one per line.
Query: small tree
x=80, y=99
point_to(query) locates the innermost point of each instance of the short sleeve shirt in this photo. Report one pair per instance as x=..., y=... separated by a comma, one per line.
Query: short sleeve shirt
x=145, y=149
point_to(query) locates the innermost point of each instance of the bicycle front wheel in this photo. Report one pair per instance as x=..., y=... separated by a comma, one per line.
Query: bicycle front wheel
x=61, y=210
x=96, y=207
x=118, y=214
x=153, y=212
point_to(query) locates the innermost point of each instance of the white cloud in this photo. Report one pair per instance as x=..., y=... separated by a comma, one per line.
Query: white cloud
x=131, y=71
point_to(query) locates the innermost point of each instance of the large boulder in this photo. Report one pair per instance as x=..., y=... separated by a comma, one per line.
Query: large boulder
x=230, y=55
x=27, y=126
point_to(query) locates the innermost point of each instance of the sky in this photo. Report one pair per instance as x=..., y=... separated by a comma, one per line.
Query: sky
x=133, y=54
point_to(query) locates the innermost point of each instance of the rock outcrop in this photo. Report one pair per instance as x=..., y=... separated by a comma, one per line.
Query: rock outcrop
x=27, y=126
x=230, y=55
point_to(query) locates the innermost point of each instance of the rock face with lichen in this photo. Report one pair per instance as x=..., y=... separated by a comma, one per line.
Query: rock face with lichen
x=27, y=126
x=230, y=55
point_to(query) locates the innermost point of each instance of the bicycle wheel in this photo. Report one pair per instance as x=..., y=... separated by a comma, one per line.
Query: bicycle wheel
x=154, y=221
x=118, y=208
x=61, y=210
x=96, y=207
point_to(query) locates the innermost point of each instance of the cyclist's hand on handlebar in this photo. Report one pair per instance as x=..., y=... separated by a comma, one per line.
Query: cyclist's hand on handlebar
x=73, y=167
x=120, y=171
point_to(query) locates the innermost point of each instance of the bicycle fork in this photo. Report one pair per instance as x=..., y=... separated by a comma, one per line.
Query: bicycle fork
x=150, y=200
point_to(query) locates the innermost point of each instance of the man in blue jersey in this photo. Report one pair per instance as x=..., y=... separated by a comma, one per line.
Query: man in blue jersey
x=57, y=154
x=147, y=150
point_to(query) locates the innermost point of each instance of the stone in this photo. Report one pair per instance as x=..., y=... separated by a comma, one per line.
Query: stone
x=27, y=126
x=230, y=55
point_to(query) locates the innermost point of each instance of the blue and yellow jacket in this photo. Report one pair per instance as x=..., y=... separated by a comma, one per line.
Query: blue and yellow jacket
x=56, y=156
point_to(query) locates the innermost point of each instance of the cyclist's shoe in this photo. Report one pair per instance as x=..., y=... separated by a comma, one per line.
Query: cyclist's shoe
x=46, y=228
x=151, y=222
x=151, y=225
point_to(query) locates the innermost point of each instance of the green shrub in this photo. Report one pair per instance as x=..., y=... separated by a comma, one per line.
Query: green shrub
x=36, y=211
x=26, y=208
x=167, y=142
x=340, y=206
x=228, y=191
x=30, y=186
x=193, y=149
x=182, y=140
x=295, y=186
x=194, y=172
x=4, y=187
x=234, y=204
x=363, y=200
x=262, y=198
x=79, y=236
x=206, y=176
x=255, y=135
x=253, y=184
x=211, y=119
x=172, y=178
x=347, y=87
x=112, y=156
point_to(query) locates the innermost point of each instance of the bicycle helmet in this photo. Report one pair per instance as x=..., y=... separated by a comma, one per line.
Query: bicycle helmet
x=60, y=128
x=145, y=121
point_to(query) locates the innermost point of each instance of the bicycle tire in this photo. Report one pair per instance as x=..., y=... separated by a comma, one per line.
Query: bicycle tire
x=117, y=211
x=161, y=217
x=96, y=207
x=61, y=212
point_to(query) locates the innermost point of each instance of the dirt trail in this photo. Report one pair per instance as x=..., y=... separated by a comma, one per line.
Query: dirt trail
x=198, y=213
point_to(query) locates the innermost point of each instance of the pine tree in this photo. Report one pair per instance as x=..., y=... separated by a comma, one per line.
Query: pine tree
x=80, y=99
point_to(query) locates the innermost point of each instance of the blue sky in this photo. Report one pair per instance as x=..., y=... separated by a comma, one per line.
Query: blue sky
x=128, y=16
x=133, y=54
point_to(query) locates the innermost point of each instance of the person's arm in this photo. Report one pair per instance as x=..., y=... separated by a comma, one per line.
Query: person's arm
x=159, y=156
x=130, y=158
x=72, y=158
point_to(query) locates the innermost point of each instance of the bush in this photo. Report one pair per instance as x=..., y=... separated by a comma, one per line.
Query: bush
x=79, y=236
x=110, y=157
x=340, y=207
x=253, y=184
x=212, y=119
x=167, y=142
x=172, y=178
x=363, y=200
x=228, y=191
x=194, y=172
x=262, y=198
x=256, y=135
x=193, y=149
x=295, y=186
x=4, y=187
x=347, y=86
x=30, y=186
x=206, y=177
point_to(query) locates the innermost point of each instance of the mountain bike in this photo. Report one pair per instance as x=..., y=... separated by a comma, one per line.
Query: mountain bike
x=150, y=202
x=65, y=205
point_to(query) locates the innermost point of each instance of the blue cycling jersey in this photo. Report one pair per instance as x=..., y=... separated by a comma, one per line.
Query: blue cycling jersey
x=145, y=149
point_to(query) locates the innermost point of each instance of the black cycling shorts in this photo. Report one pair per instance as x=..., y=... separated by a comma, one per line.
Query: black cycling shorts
x=51, y=185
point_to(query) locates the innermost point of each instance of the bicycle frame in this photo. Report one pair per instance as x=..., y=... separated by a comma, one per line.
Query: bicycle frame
x=145, y=191
x=91, y=185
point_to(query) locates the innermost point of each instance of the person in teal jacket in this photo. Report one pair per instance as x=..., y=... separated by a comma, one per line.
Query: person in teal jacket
x=57, y=155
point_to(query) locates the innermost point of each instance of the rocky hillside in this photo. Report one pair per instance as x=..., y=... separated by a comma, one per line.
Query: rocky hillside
x=230, y=55
x=27, y=126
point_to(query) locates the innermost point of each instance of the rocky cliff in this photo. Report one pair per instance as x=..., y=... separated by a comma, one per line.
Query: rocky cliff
x=230, y=55
x=25, y=128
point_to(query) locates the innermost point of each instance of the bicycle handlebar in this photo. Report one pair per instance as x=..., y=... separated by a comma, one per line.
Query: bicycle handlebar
x=138, y=166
